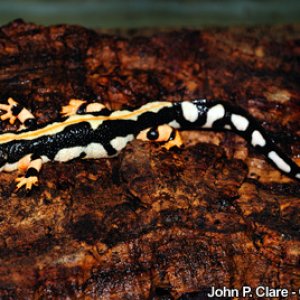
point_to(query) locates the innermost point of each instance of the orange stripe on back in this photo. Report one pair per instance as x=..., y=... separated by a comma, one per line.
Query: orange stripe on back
x=59, y=126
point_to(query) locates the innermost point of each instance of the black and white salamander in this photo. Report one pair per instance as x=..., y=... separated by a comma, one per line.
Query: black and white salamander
x=93, y=131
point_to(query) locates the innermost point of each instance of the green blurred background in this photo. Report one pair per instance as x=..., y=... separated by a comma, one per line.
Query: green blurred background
x=155, y=13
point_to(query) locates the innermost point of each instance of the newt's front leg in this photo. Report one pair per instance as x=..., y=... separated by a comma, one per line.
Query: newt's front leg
x=79, y=107
x=13, y=111
x=34, y=165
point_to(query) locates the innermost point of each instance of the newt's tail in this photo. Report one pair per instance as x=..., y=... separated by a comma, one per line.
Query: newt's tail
x=219, y=115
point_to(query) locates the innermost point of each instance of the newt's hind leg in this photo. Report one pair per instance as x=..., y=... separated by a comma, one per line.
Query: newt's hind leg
x=13, y=111
x=34, y=166
x=79, y=107
x=163, y=134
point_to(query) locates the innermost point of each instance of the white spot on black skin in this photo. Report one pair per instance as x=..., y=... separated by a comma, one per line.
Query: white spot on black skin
x=189, y=111
x=228, y=127
x=45, y=159
x=240, y=122
x=215, y=113
x=174, y=124
x=279, y=162
x=298, y=176
x=120, y=142
x=95, y=150
x=258, y=139
x=95, y=124
x=68, y=153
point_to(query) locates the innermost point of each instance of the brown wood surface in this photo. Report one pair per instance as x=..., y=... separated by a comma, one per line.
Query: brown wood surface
x=153, y=224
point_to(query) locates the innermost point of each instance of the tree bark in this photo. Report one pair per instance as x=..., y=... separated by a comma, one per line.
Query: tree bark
x=153, y=224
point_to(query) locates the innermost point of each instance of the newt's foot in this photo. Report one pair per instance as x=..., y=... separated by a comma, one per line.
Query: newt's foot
x=175, y=141
x=72, y=108
x=27, y=181
x=8, y=108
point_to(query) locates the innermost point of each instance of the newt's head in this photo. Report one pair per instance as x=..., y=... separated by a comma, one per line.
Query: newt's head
x=162, y=134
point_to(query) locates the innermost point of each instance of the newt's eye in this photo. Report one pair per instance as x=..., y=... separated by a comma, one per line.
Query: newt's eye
x=152, y=134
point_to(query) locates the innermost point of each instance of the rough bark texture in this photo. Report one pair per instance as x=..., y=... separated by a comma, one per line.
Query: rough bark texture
x=153, y=224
